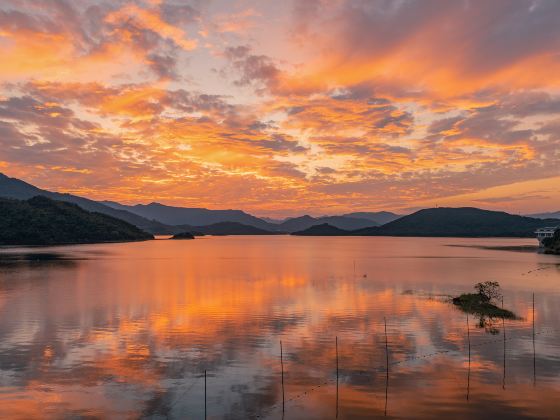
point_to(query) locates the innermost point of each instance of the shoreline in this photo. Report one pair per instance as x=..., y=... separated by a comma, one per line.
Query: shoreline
x=515, y=248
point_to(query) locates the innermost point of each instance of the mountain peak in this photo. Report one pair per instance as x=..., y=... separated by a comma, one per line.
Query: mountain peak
x=304, y=217
x=459, y=222
x=323, y=229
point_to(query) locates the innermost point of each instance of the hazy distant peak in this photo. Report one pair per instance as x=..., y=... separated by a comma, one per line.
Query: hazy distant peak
x=323, y=229
x=304, y=217
x=379, y=217
x=546, y=215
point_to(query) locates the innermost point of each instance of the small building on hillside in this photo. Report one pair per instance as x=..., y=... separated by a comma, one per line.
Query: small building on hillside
x=545, y=232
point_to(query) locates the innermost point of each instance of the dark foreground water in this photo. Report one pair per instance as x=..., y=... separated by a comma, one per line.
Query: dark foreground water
x=127, y=330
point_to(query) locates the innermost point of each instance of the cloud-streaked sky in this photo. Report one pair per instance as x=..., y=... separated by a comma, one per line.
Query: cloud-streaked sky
x=285, y=107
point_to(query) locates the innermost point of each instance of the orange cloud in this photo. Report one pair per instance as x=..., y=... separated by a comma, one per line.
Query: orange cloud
x=391, y=106
x=150, y=19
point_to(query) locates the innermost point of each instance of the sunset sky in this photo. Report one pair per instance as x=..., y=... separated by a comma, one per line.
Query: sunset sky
x=285, y=107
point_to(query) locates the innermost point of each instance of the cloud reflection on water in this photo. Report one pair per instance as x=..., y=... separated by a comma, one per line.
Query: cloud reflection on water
x=128, y=334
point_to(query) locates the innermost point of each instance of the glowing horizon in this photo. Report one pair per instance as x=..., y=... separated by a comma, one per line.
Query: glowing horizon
x=285, y=108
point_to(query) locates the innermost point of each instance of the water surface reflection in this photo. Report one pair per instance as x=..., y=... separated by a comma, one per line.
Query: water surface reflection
x=127, y=330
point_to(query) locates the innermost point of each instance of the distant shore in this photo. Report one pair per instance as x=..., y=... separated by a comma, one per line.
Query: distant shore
x=516, y=248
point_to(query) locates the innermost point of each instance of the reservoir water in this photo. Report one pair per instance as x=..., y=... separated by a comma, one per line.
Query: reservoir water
x=128, y=330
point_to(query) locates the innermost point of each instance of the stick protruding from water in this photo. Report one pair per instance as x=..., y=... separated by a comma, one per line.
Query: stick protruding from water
x=336, y=352
x=469, y=365
x=534, y=353
x=387, y=365
x=504, y=334
x=282, y=372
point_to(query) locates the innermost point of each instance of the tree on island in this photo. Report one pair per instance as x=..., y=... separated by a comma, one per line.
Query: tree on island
x=183, y=235
x=482, y=304
x=489, y=291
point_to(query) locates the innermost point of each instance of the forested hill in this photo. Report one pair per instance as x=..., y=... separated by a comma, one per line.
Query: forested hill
x=552, y=245
x=17, y=189
x=462, y=221
x=42, y=221
x=322, y=230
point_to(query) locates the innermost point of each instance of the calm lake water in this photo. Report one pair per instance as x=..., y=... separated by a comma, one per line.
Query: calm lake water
x=127, y=330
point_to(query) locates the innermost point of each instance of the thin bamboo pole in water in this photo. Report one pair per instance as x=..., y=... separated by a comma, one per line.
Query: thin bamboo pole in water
x=504, y=334
x=469, y=365
x=205, y=411
x=534, y=353
x=336, y=351
x=282, y=371
x=387, y=365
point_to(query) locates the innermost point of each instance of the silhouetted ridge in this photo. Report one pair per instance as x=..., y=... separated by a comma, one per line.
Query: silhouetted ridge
x=322, y=230
x=171, y=215
x=379, y=217
x=42, y=221
x=20, y=190
x=161, y=219
x=297, y=224
x=463, y=222
x=550, y=215
x=232, y=228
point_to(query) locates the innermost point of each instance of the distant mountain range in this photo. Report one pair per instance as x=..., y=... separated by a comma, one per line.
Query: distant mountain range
x=342, y=222
x=232, y=228
x=42, y=221
x=451, y=222
x=170, y=215
x=157, y=218
x=379, y=217
x=551, y=215
x=272, y=220
x=202, y=217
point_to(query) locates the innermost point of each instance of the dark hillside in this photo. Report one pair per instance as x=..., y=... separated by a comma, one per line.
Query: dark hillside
x=463, y=222
x=42, y=221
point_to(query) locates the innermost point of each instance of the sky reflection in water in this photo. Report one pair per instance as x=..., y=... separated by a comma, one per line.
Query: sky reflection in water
x=127, y=330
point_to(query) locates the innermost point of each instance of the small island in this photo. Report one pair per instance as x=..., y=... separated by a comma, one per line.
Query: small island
x=182, y=236
x=481, y=302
